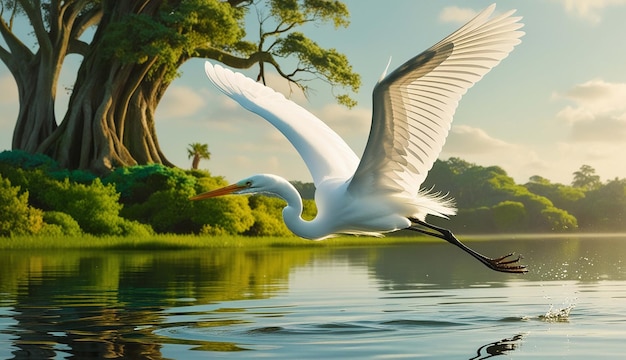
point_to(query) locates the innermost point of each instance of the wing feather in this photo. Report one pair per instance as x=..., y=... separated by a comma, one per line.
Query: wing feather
x=414, y=105
x=325, y=153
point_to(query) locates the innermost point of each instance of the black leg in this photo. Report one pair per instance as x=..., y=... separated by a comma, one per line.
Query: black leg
x=503, y=264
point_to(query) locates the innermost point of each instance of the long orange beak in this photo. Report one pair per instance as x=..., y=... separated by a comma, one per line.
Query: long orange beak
x=218, y=192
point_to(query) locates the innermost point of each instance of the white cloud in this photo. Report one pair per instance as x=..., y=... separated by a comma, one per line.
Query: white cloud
x=180, y=101
x=589, y=10
x=353, y=125
x=455, y=14
x=606, y=157
x=599, y=129
x=343, y=120
x=598, y=96
x=598, y=112
x=593, y=131
x=477, y=146
x=464, y=140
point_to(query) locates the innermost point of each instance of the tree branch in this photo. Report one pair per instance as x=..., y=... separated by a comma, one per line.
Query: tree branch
x=16, y=46
x=86, y=20
x=78, y=47
x=35, y=16
x=235, y=3
x=235, y=61
x=278, y=30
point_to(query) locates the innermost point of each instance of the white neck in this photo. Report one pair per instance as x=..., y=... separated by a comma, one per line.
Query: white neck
x=292, y=214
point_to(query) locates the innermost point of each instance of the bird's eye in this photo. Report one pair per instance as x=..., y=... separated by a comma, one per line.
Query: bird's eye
x=248, y=183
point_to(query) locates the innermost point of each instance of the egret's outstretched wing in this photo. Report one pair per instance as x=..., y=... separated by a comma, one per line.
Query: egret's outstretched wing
x=414, y=105
x=324, y=152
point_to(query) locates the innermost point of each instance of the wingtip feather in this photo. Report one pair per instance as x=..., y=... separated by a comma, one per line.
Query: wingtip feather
x=384, y=74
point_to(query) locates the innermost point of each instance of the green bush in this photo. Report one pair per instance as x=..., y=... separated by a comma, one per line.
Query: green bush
x=51, y=231
x=16, y=216
x=476, y=220
x=212, y=230
x=64, y=222
x=510, y=216
x=268, y=219
x=94, y=206
x=137, y=183
x=559, y=220
x=24, y=160
x=230, y=213
x=164, y=202
x=309, y=209
x=133, y=228
x=167, y=211
x=36, y=181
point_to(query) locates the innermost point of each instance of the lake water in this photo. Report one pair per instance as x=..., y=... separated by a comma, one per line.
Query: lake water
x=427, y=301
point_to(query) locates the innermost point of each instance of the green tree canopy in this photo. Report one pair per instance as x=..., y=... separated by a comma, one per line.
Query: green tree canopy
x=489, y=200
x=132, y=57
x=603, y=208
x=586, y=178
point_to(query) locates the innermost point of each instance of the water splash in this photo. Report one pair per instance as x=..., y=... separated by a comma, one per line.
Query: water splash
x=557, y=314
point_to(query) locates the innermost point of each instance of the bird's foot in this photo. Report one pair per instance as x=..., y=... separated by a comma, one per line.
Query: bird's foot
x=507, y=264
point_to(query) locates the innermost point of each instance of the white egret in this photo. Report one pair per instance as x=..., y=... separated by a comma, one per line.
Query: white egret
x=412, y=112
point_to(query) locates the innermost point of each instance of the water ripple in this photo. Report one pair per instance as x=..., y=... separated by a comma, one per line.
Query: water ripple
x=424, y=323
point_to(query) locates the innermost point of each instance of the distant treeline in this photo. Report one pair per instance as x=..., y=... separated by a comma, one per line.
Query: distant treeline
x=489, y=201
x=37, y=197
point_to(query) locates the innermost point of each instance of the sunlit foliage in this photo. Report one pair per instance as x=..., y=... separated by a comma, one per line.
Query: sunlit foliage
x=40, y=199
x=16, y=216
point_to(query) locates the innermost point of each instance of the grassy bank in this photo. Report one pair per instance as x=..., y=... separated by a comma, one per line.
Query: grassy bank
x=171, y=242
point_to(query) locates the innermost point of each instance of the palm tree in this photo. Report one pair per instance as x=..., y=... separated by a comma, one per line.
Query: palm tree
x=198, y=152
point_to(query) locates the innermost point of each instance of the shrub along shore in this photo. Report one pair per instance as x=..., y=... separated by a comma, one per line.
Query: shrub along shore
x=38, y=198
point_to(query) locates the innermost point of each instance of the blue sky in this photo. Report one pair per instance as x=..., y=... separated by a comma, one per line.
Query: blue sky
x=557, y=102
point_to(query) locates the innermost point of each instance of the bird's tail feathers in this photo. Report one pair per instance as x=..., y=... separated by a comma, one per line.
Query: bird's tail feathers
x=435, y=203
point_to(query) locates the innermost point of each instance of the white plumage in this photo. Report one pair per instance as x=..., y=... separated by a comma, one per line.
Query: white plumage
x=413, y=107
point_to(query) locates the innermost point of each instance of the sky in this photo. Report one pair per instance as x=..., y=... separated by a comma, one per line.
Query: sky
x=557, y=102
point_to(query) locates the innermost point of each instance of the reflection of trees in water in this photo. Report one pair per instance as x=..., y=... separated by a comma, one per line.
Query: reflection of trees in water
x=433, y=266
x=60, y=313
x=439, y=265
x=106, y=305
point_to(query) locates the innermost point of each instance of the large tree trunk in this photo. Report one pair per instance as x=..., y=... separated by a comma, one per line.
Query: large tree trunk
x=110, y=118
x=36, y=74
x=136, y=50
x=110, y=121
x=36, y=119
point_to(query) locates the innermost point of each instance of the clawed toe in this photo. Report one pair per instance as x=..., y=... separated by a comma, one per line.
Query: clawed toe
x=508, y=266
x=506, y=263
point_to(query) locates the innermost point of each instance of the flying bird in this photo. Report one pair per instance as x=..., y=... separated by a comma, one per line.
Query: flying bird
x=413, y=108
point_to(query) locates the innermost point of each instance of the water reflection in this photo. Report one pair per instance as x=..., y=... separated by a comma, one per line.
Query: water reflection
x=133, y=304
x=497, y=348
x=106, y=305
x=584, y=259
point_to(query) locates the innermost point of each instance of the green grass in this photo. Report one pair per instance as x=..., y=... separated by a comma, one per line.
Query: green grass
x=171, y=242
